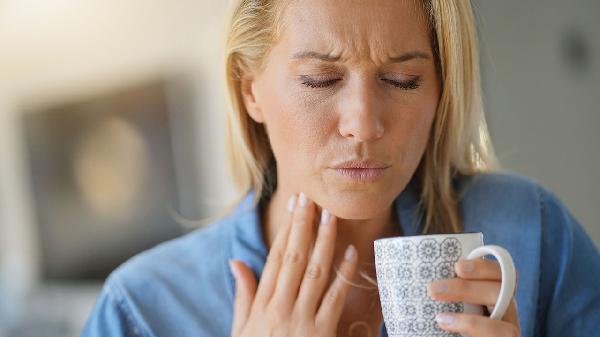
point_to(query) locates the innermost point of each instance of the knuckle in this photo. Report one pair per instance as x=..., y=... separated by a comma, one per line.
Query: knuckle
x=470, y=289
x=314, y=272
x=459, y=285
x=276, y=255
x=332, y=295
x=293, y=257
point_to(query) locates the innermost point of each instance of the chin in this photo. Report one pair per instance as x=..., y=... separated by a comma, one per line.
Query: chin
x=359, y=207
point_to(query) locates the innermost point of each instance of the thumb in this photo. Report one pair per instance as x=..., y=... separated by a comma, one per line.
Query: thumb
x=245, y=288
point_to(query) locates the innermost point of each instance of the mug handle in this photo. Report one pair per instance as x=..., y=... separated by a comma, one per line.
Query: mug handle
x=509, y=276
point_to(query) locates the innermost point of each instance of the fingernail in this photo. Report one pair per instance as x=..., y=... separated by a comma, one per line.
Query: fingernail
x=324, y=217
x=439, y=287
x=350, y=253
x=467, y=266
x=303, y=199
x=233, y=269
x=446, y=319
x=291, y=203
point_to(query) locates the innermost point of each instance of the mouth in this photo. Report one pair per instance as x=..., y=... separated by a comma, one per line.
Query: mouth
x=365, y=171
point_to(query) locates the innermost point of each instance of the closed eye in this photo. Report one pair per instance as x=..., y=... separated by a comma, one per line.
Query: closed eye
x=405, y=85
x=319, y=84
x=411, y=84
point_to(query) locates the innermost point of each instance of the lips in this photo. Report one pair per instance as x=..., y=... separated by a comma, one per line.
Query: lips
x=362, y=164
x=364, y=171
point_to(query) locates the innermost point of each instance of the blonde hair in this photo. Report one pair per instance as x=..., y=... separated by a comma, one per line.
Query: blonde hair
x=459, y=140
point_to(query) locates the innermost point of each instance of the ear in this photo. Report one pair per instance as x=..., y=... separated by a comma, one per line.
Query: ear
x=248, y=88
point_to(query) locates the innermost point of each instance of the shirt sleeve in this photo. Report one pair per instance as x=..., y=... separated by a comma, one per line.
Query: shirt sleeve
x=111, y=316
x=570, y=274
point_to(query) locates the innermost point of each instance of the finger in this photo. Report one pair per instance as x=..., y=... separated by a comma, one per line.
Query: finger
x=481, y=269
x=478, y=269
x=266, y=286
x=296, y=254
x=245, y=288
x=476, y=325
x=332, y=304
x=317, y=272
x=460, y=290
x=512, y=315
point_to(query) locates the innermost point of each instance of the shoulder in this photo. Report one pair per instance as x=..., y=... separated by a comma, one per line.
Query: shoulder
x=503, y=197
x=184, y=277
x=189, y=256
x=498, y=185
x=175, y=288
x=508, y=194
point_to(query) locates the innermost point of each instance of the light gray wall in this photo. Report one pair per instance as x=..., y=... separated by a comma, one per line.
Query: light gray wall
x=541, y=75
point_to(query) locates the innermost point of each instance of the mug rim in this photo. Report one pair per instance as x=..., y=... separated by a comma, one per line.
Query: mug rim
x=427, y=235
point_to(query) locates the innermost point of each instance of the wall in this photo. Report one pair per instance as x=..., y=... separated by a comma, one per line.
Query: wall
x=541, y=65
x=54, y=51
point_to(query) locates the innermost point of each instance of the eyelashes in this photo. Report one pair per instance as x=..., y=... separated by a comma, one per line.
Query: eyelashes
x=319, y=84
x=411, y=84
x=405, y=85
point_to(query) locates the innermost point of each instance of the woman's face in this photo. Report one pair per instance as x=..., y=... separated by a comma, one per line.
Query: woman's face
x=348, y=80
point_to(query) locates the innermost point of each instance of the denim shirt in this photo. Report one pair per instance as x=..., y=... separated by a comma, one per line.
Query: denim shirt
x=184, y=287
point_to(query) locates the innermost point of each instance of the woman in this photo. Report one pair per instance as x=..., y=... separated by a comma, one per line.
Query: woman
x=351, y=121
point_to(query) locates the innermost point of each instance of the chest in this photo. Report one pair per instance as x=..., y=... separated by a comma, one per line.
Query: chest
x=361, y=316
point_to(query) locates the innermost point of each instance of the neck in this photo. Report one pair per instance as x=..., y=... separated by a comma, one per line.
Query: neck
x=360, y=233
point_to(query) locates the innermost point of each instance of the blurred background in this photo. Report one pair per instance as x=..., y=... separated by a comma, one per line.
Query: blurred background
x=112, y=128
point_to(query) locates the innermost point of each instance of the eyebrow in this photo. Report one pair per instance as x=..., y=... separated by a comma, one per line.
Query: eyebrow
x=409, y=56
x=315, y=55
x=329, y=58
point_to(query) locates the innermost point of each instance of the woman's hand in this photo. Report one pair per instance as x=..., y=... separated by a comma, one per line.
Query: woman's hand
x=478, y=282
x=293, y=297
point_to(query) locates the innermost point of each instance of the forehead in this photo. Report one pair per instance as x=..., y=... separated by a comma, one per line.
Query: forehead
x=356, y=28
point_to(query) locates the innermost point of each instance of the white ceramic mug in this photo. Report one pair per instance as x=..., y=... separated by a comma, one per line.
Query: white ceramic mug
x=406, y=264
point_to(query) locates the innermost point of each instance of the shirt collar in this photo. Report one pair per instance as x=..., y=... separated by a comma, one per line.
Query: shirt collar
x=247, y=241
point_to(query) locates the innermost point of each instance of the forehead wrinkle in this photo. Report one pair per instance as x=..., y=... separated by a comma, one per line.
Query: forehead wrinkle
x=357, y=43
x=360, y=34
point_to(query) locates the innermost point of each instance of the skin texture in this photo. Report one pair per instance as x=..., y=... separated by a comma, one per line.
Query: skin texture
x=372, y=94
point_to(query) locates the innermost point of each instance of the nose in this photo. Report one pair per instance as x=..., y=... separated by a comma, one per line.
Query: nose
x=361, y=113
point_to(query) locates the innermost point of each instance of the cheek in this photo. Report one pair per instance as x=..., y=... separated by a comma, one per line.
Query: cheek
x=420, y=122
x=412, y=133
x=297, y=129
